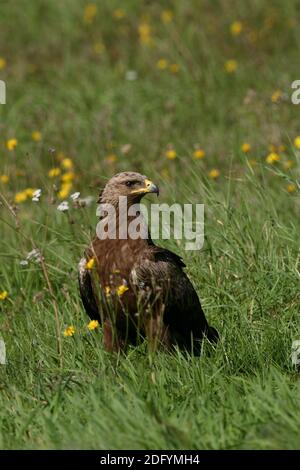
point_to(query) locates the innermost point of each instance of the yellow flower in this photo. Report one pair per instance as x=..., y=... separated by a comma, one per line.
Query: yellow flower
x=107, y=291
x=276, y=96
x=230, y=66
x=68, y=177
x=174, y=68
x=144, y=33
x=4, y=179
x=93, y=325
x=69, y=331
x=29, y=192
x=281, y=148
x=236, y=28
x=11, y=144
x=2, y=63
x=90, y=264
x=171, y=154
x=162, y=64
x=36, y=136
x=54, y=172
x=288, y=164
x=297, y=142
x=121, y=290
x=272, y=157
x=246, y=147
x=3, y=295
x=214, y=174
x=291, y=188
x=166, y=16
x=198, y=154
x=20, y=197
x=65, y=190
x=89, y=13
x=67, y=163
x=118, y=14
x=272, y=148
x=98, y=47
x=111, y=158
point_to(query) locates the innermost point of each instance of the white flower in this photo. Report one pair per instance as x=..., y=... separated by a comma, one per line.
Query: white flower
x=24, y=262
x=63, y=206
x=75, y=196
x=131, y=75
x=34, y=255
x=36, y=195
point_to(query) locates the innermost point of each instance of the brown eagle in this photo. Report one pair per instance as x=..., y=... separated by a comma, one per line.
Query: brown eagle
x=134, y=288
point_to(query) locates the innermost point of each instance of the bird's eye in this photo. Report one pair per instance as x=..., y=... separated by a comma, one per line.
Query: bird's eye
x=131, y=183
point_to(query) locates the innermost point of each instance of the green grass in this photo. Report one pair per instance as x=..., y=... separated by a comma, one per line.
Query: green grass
x=243, y=394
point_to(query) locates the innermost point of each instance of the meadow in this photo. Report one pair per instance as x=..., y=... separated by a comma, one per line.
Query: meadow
x=197, y=96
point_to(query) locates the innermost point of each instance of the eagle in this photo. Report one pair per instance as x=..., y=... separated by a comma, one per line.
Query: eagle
x=134, y=288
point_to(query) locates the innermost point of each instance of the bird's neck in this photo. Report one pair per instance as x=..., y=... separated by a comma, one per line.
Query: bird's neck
x=122, y=222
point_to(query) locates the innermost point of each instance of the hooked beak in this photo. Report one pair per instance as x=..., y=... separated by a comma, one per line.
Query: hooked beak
x=151, y=187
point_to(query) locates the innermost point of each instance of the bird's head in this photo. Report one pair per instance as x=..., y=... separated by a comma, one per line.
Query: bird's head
x=129, y=184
